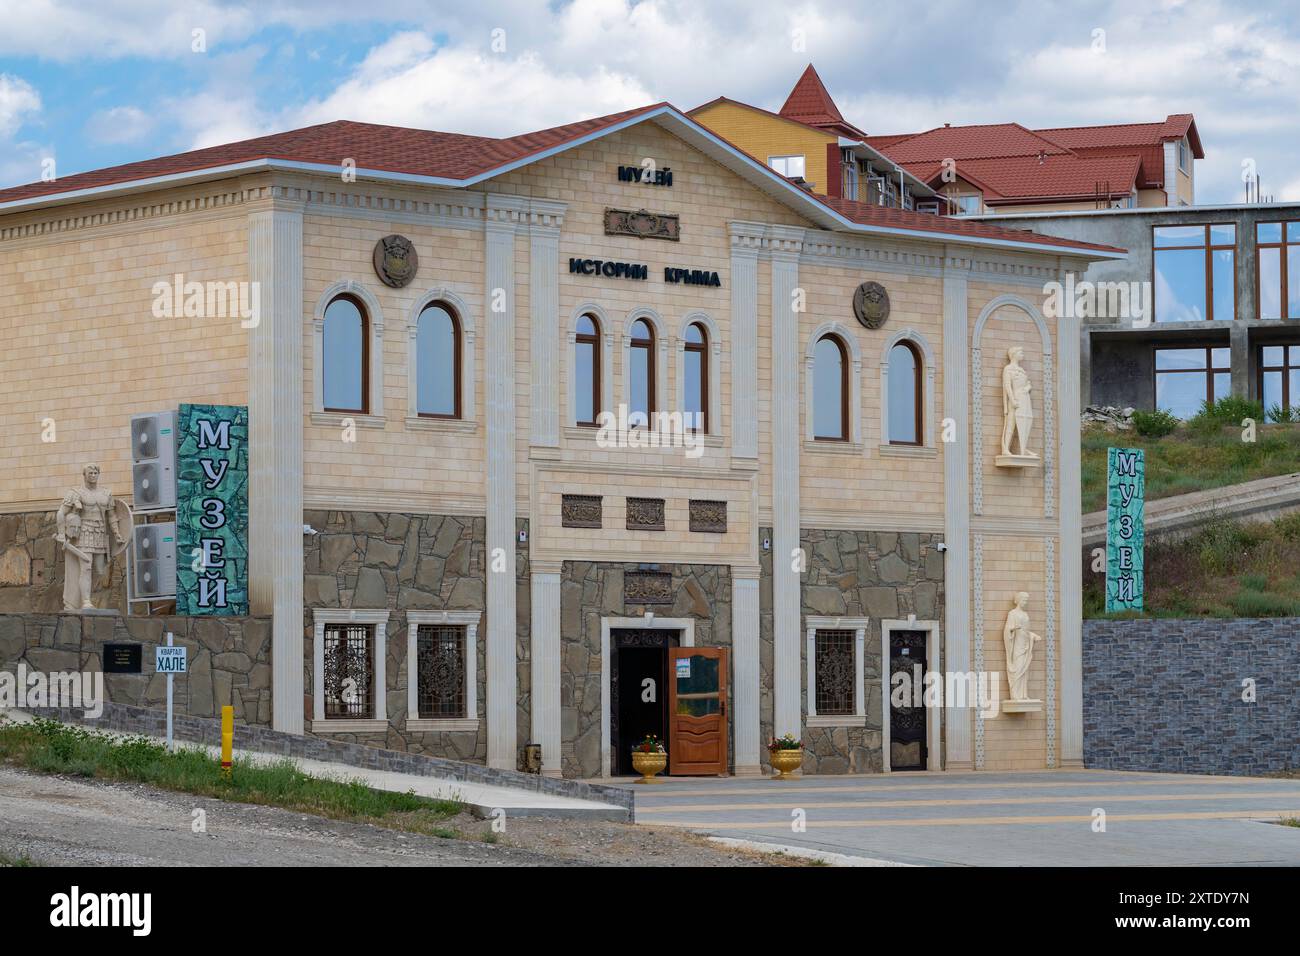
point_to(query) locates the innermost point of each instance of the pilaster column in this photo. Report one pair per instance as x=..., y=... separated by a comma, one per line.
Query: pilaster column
x=275, y=404
x=546, y=219
x=744, y=644
x=785, y=244
x=746, y=241
x=502, y=216
x=956, y=483
x=1070, y=551
x=545, y=694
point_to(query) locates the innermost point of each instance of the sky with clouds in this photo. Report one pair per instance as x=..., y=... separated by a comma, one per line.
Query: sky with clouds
x=100, y=82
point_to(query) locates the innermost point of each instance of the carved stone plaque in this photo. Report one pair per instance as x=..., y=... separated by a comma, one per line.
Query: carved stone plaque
x=395, y=261
x=871, y=304
x=645, y=514
x=647, y=587
x=580, y=511
x=709, y=516
x=642, y=224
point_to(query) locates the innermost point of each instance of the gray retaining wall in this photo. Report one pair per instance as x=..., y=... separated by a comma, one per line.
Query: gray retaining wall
x=1166, y=695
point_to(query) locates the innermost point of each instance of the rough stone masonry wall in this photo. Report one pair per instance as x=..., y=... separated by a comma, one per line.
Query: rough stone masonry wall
x=375, y=560
x=31, y=567
x=878, y=575
x=591, y=590
x=229, y=658
x=1167, y=695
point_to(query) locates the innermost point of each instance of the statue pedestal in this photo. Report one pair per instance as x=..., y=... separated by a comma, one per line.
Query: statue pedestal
x=1021, y=706
x=1018, y=461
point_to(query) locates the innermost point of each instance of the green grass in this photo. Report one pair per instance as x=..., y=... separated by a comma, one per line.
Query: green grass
x=47, y=746
x=1197, y=456
x=1227, y=569
x=7, y=860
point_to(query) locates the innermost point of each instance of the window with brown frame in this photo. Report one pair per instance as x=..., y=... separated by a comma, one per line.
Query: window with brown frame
x=697, y=376
x=641, y=372
x=905, y=395
x=587, y=371
x=1187, y=378
x=830, y=390
x=1194, y=272
x=438, y=362
x=349, y=656
x=1277, y=270
x=1279, y=381
x=345, y=356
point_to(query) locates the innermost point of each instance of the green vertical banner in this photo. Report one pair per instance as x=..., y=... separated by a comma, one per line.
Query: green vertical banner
x=1125, y=528
x=212, y=509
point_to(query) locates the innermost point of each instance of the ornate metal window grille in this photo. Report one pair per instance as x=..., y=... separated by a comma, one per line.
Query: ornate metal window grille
x=645, y=514
x=580, y=511
x=440, y=668
x=709, y=516
x=349, y=671
x=835, y=672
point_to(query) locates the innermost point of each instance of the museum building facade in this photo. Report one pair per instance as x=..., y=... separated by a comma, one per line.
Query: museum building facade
x=542, y=452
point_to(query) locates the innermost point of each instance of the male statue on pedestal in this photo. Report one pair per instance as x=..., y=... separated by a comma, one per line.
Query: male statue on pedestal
x=1017, y=407
x=87, y=528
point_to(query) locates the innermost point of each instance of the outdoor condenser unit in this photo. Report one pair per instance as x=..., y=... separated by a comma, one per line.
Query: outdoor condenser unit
x=155, y=560
x=153, y=451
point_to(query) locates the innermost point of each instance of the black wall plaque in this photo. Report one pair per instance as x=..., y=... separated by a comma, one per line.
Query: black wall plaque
x=122, y=658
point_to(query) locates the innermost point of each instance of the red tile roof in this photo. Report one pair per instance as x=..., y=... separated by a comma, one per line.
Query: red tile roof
x=457, y=157
x=887, y=217
x=811, y=104
x=393, y=149
x=1003, y=159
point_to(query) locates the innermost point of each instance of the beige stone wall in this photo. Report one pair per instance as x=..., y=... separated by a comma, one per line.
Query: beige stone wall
x=417, y=462
x=82, y=348
x=1011, y=564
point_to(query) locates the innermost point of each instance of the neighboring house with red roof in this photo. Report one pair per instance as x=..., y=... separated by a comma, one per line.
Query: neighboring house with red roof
x=535, y=419
x=1003, y=167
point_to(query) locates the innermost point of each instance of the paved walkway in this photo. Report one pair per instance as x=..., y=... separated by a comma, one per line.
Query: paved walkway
x=997, y=819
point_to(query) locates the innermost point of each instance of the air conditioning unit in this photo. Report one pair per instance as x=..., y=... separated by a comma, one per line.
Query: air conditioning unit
x=154, y=553
x=153, y=452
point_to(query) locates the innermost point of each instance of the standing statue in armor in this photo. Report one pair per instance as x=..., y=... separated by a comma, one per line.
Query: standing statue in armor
x=87, y=528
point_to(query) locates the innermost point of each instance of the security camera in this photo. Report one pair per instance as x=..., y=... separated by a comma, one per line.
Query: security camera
x=942, y=547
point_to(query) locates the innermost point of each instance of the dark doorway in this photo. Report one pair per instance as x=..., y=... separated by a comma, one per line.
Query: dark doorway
x=907, y=723
x=638, y=690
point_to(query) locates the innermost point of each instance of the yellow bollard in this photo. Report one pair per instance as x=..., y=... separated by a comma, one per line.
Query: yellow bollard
x=227, y=737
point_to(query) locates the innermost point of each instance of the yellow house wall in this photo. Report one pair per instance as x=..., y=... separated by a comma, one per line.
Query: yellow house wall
x=763, y=135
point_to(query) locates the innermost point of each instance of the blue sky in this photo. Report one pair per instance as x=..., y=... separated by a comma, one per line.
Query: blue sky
x=102, y=82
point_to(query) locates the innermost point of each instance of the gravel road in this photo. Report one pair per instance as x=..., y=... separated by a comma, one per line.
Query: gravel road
x=58, y=821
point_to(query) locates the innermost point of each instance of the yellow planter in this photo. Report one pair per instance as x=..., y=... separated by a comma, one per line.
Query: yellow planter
x=648, y=764
x=785, y=761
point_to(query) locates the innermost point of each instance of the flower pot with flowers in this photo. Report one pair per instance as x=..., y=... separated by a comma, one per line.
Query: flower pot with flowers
x=787, y=755
x=649, y=758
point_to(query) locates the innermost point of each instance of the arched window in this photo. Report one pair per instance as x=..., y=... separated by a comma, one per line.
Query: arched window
x=830, y=390
x=696, y=386
x=345, y=356
x=904, y=395
x=586, y=370
x=437, y=364
x=641, y=361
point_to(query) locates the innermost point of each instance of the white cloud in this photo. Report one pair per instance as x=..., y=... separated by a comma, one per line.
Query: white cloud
x=120, y=124
x=18, y=102
x=408, y=81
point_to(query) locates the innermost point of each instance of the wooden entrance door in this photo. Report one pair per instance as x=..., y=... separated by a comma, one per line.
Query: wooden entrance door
x=697, y=711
